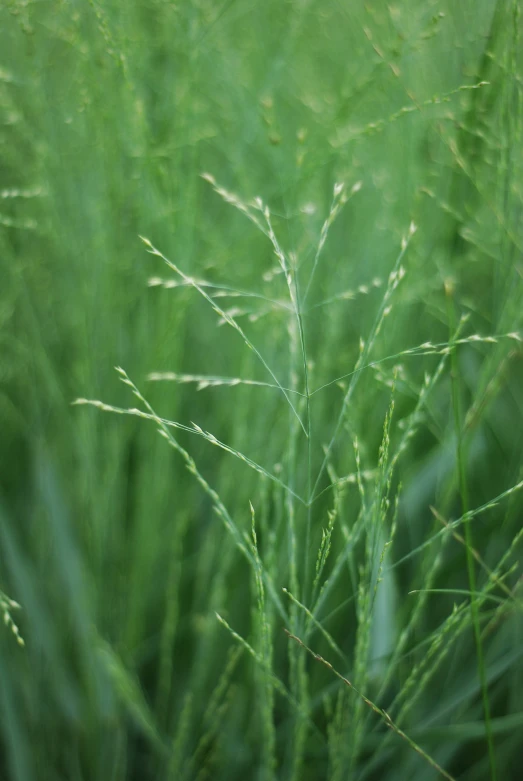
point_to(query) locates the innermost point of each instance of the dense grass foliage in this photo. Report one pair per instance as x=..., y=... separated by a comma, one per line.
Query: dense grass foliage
x=295, y=228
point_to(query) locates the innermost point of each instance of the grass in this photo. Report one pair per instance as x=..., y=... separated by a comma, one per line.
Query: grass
x=295, y=228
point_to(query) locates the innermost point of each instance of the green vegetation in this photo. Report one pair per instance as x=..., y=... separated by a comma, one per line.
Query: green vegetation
x=296, y=229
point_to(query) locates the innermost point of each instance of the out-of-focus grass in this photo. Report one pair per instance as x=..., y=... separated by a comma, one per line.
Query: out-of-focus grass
x=119, y=556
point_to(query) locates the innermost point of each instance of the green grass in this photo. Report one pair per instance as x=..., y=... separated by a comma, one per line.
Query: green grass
x=295, y=228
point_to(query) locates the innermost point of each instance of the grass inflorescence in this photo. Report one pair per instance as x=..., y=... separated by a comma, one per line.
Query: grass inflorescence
x=295, y=229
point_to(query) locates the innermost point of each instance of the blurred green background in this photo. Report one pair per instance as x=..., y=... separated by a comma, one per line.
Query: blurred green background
x=109, y=114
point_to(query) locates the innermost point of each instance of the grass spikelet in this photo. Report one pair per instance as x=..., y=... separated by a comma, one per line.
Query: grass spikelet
x=7, y=606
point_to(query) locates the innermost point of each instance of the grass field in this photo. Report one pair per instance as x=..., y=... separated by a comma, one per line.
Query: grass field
x=286, y=236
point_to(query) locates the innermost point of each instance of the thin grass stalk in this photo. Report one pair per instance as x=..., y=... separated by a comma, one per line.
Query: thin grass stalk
x=471, y=570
